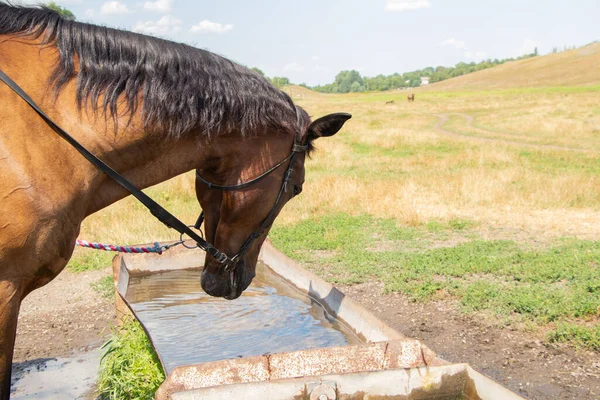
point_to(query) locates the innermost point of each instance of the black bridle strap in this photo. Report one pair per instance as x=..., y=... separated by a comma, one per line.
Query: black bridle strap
x=298, y=148
x=244, y=184
x=270, y=216
x=159, y=212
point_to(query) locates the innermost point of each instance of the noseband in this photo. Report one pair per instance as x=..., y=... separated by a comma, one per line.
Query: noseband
x=230, y=263
x=159, y=212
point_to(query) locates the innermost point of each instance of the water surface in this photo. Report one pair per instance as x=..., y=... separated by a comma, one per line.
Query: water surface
x=62, y=378
x=187, y=326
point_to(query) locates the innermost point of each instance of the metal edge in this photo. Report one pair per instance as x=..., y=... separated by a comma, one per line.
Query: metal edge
x=332, y=299
x=488, y=386
x=121, y=286
x=390, y=383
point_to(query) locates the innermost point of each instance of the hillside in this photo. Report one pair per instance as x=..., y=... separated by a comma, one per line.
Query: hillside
x=577, y=67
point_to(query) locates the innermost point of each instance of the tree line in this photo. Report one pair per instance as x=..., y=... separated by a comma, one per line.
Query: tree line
x=352, y=81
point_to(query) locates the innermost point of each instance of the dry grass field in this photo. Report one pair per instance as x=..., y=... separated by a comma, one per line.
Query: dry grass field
x=515, y=159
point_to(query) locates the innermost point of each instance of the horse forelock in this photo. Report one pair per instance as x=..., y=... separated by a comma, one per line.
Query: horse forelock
x=179, y=88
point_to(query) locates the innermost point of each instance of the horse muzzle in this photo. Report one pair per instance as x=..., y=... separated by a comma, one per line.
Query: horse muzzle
x=226, y=284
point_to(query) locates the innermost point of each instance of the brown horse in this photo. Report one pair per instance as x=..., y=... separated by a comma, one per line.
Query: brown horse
x=151, y=109
x=411, y=97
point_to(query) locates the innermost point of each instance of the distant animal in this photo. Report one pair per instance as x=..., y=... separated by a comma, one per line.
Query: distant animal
x=411, y=97
x=389, y=102
x=151, y=109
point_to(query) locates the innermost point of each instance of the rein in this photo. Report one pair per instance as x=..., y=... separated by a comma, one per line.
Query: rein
x=156, y=209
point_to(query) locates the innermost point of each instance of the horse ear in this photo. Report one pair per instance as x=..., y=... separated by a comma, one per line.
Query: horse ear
x=328, y=125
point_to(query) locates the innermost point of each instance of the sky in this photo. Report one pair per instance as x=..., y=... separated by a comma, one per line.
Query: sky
x=311, y=41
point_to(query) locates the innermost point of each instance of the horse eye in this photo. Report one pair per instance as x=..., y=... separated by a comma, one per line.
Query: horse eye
x=297, y=190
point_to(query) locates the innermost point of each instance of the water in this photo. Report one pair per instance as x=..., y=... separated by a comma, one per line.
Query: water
x=188, y=326
x=56, y=378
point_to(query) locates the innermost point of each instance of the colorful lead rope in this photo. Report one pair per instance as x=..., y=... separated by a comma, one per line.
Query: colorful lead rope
x=157, y=248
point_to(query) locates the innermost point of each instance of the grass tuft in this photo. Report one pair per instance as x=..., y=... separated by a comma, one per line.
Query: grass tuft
x=105, y=287
x=90, y=260
x=581, y=336
x=130, y=368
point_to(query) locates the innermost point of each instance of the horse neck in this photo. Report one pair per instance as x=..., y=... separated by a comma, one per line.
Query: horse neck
x=153, y=160
x=144, y=162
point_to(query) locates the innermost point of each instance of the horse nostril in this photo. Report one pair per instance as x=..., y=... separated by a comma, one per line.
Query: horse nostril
x=214, y=285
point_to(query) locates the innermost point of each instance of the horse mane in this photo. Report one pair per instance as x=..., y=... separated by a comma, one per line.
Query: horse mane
x=180, y=87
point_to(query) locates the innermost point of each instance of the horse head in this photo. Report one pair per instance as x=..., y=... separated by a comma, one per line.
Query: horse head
x=237, y=218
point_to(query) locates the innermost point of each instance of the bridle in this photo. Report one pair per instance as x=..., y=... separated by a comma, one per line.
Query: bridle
x=298, y=147
x=158, y=211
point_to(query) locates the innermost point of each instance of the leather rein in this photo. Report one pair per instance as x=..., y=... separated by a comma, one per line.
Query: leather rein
x=229, y=263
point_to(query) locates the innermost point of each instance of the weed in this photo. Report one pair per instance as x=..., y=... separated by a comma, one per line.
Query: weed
x=90, y=260
x=130, y=368
x=582, y=336
x=105, y=287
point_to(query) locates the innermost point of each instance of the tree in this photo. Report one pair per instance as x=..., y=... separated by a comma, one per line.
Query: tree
x=280, y=81
x=351, y=81
x=345, y=79
x=258, y=71
x=65, y=13
x=356, y=87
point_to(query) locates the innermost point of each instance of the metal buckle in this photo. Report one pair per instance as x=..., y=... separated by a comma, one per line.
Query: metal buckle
x=299, y=148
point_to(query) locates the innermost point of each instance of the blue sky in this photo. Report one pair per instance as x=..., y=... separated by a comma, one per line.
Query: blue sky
x=310, y=41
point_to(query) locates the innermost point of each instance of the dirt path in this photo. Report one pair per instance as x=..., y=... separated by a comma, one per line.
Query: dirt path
x=443, y=119
x=515, y=358
x=64, y=316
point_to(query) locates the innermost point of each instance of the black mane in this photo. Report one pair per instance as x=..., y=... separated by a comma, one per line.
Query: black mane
x=182, y=87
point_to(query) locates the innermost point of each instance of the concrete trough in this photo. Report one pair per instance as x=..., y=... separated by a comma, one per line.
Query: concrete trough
x=386, y=365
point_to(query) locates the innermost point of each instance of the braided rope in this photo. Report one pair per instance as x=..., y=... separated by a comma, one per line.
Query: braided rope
x=157, y=248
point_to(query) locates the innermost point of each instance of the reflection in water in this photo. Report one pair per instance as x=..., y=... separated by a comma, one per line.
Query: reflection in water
x=188, y=326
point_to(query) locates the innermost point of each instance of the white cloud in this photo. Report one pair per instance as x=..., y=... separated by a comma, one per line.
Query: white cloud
x=206, y=26
x=293, y=67
x=164, y=26
x=159, y=6
x=89, y=13
x=315, y=58
x=527, y=47
x=114, y=8
x=459, y=44
x=406, y=5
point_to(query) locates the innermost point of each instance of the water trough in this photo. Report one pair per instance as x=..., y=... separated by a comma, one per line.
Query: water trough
x=291, y=336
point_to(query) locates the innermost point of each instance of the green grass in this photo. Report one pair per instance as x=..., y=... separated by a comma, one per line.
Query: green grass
x=90, y=260
x=560, y=163
x=580, y=336
x=130, y=368
x=501, y=277
x=104, y=286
